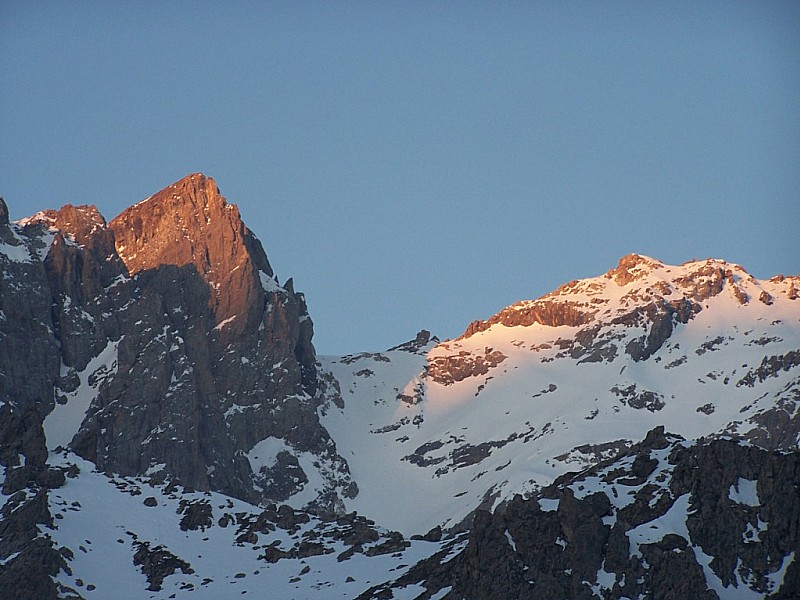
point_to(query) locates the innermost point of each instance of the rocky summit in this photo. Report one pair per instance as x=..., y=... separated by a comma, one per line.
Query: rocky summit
x=161, y=344
x=168, y=431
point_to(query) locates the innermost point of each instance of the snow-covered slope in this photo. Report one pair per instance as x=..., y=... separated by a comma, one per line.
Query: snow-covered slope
x=670, y=518
x=556, y=384
x=124, y=538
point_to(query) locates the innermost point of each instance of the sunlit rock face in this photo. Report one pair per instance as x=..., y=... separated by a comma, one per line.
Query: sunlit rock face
x=641, y=292
x=191, y=223
x=162, y=344
x=190, y=226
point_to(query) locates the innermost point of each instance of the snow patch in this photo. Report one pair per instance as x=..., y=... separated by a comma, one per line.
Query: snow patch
x=778, y=577
x=265, y=453
x=15, y=253
x=548, y=504
x=673, y=521
x=442, y=593
x=744, y=491
x=269, y=284
x=224, y=323
x=155, y=469
x=511, y=541
x=61, y=425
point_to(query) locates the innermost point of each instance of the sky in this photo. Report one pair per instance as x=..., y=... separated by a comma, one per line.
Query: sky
x=421, y=164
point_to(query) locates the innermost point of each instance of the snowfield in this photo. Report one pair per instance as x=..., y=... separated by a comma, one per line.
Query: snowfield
x=103, y=520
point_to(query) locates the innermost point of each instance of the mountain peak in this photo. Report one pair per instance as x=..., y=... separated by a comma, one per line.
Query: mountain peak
x=632, y=267
x=640, y=284
x=191, y=188
x=191, y=223
x=166, y=227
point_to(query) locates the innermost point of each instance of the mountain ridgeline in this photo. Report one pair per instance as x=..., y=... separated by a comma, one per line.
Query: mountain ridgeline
x=170, y=322
x=156, y=376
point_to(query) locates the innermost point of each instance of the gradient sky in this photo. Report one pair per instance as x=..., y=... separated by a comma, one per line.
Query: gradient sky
x=421, y=164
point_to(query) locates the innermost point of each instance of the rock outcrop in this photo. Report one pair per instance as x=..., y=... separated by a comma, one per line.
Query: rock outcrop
x=641, y=295
x=667, y=519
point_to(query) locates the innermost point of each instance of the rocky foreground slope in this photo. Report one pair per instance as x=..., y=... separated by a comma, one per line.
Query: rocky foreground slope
x=666, y=519
x=167, y=430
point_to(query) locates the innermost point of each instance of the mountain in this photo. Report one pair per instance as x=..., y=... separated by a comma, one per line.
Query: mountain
x=560, y=383
x=161, y=344
x=167, y=429
x=170, y=347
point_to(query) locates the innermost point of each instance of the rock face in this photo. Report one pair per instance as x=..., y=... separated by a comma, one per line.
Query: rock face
x=160, y=344
x=169, y=342
x=656, y=305
x=667, y=519
x=29, y=370
x=190, y=223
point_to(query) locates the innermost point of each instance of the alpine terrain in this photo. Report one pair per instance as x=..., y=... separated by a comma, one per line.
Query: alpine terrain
x=167, y=429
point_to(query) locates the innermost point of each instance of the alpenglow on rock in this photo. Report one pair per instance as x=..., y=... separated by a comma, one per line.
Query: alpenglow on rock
x=172, y=348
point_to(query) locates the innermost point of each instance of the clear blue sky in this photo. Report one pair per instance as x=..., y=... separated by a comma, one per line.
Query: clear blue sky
x=421, y=164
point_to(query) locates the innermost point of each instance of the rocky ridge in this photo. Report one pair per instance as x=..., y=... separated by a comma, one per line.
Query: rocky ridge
x=162, y=344
x=667, y=518
x=641, y=293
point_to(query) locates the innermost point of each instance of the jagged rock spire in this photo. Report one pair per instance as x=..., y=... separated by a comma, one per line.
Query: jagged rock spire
x=3, y=212
x=191, y=223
